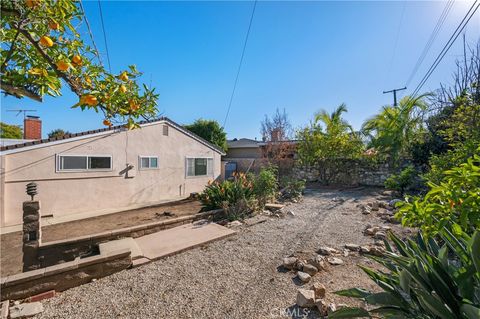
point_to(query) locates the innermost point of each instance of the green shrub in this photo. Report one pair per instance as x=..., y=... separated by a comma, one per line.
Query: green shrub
x=426, y=279
x=227, y=193
x=454, y=201
x=265, y=186
x=291, y=188
x=404, y=180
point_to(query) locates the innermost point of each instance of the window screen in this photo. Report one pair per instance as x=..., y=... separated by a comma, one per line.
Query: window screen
x=99, y=162
x=148, y=162
x=199, y=166
x=165, y=130
x=73, y=162
x=78, y=162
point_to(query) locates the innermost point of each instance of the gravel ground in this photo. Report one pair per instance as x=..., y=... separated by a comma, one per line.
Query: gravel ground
x=235, y=277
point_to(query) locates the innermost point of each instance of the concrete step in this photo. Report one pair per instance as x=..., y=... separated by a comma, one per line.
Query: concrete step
x=119, y=244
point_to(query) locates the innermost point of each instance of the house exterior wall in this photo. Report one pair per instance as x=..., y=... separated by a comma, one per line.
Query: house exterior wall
x=244, y=152
x=75, y=195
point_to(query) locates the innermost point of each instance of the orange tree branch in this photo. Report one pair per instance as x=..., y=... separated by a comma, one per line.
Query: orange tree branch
x=19, y=91
x=75, y=87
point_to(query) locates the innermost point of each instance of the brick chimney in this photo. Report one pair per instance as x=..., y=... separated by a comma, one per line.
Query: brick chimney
x=32, y=128
x=276, y=135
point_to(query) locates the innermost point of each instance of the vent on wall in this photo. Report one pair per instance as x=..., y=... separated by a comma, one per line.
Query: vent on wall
x=165, y=130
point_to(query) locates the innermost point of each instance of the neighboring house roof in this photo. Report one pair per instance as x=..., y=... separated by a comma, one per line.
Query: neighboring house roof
x=249, y=143
x=242, y=143
x=12, y=141
x=22, y=146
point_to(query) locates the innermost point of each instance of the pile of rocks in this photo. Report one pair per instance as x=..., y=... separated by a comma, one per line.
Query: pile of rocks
x=315, y=298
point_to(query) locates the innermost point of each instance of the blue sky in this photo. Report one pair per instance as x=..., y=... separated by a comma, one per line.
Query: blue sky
x=301, y=56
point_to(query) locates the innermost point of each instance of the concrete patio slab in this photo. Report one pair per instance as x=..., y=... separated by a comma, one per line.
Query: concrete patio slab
x=175, y=240
x=115, y=245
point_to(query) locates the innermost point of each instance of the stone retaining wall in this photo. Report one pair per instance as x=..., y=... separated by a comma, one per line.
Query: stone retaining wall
x=346, y=172
x=55, y=252
x=64, y=276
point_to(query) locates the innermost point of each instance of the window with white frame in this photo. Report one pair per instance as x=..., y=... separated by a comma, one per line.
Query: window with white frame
x=200, y=166
x=83, y=162
x=148, y=162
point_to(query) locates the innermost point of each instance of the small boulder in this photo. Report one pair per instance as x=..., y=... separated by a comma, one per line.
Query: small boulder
x=300, y=265
x=364, y=249
x=289, y=262
x=331, y=308
x=352, y=247
x=380, y=235
x=235, y=223
x=290, y=213
x=385, y=228
x=371, y=231
x=303, y=276
x=309, y=269
x=305, y=298
x=321, y=306
x=318, y=262
x=376, y=251
x=319, y=290
x=26, y=310
x=335, y=261
x=375, y=206
x=327, y=251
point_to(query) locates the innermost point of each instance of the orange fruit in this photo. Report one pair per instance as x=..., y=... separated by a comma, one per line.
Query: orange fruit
x=107, y=122
x=53, y=25
x=123, y=88
x=133, y=105
x=123, y=76
x=46, y=41
x=91, y=100
x=77, y=59
x=32, y=3
x=62, y=66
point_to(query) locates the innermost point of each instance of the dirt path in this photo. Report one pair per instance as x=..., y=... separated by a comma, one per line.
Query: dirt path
x=236, y=277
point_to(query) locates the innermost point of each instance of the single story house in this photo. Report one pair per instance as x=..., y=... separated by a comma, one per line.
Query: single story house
x=105, y=171
x=248, y=155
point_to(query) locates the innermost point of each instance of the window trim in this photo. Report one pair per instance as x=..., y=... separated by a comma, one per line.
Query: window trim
x=149, y=158
x=199, y=176
x=58, y=169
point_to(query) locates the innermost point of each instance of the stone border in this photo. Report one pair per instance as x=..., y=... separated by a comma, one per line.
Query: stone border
x=64, y=276
x=59, y=251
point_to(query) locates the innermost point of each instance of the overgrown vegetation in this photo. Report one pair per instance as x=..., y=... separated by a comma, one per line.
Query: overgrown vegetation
x=243, y=194
x=291, y=188
x=327, y=139
x=427, y=278
x=402, y=181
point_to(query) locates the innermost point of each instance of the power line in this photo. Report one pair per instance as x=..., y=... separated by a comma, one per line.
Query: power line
x=240, y=64
x=431, y=40
x=104, y=35
x=90, y=32
x=448, y=45
x=389, y=70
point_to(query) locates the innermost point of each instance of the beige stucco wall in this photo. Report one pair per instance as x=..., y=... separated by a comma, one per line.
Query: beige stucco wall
x=74, y=195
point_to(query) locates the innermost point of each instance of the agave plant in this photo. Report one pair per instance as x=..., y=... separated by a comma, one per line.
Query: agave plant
x=426, y=279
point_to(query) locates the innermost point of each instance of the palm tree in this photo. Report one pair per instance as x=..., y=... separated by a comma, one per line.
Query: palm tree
x=334, y=122
x=393, y=129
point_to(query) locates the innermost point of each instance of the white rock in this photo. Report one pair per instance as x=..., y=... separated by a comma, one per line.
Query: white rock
x=331, y=308
x=309, y=269
x=290, y=213
x=364, y=249
x=303, y=276
x=335, y=261
x=289, y=262
x=235, y=223
x=305, y=298
x=25, y=310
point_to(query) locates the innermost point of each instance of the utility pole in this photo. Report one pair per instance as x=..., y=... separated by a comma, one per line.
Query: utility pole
x=395, y=94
